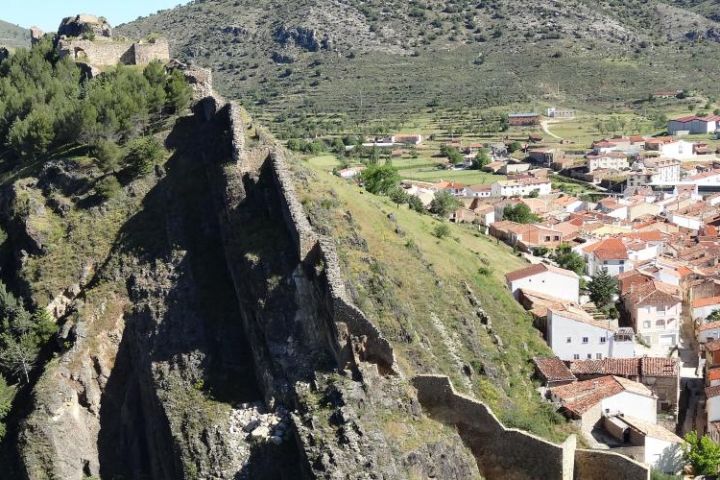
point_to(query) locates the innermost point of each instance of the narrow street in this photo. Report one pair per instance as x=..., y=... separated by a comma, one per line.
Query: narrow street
x=691, y=404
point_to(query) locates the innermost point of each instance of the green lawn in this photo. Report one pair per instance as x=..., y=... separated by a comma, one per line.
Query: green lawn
x=468, y=177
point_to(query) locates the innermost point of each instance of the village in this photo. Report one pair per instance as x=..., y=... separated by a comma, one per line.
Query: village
x=623, y=281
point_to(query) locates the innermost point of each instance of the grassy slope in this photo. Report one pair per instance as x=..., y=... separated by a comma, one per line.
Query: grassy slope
x=13, y=36
x=412, y=284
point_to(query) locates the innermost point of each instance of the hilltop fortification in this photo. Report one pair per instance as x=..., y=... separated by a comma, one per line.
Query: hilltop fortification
x=89, y=40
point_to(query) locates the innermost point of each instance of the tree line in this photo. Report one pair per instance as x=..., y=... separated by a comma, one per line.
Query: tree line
x=46, y=104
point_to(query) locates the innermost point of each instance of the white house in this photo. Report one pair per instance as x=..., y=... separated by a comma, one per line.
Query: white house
x=686, y=221
x=707, y=332
x=702, y=307
x=610, y=255
x=608, y=160
x=658, y=170
x=661, y=448
x=677, y=149
x=547, y=280
x=693, y=124
x=573, y=334
x=479, y=191
x=655, y=312
x=589, y=400
x=521, y=187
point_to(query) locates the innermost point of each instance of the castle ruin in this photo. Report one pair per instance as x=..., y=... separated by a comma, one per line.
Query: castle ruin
x=89, y=40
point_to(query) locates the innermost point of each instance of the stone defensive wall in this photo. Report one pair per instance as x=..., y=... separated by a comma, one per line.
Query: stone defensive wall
x=105, y=52
x=510, y=453
x=354, y=337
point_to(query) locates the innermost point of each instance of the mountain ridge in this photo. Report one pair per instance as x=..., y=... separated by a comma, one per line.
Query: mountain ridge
x=361, y=61
x=12, y=35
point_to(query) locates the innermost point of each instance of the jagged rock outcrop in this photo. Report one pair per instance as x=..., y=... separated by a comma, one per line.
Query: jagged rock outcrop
x=306, y=38
x=84, y=25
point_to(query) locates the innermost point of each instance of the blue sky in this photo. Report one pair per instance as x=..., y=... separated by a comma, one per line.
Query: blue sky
x=47, y=13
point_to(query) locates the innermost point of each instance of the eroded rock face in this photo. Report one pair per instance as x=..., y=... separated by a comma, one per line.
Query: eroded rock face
x=306, y=38
x=84, y=24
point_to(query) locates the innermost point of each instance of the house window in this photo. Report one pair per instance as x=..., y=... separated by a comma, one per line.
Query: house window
x=646, y=324
x=661, y=309
x=603, y=339
x=576, y=356
x=568, y=340
x=589, y=356
x=660, y=323
x=585, y=340
x=598, y=356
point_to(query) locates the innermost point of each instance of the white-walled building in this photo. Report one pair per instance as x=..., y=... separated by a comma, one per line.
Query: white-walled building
x=655, y=311
x=655, y=170
x=693, y=124
x=589, y=400
x=702, y=307
x=547, y=280
x=610, y=255
x=573, y=334
x=668, y=147
x=521, y=187
x=707, y=332
x=607, y=161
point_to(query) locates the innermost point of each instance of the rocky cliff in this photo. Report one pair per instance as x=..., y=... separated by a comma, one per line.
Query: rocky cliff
x=211, y=336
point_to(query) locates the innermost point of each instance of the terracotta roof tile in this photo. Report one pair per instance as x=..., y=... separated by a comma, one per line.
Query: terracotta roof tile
x=579, y=397
x=709, y=326
x=553, y=369
x=705, y=302
x=713, y=391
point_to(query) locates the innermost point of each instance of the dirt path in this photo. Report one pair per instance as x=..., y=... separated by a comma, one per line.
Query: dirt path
x=545, y=128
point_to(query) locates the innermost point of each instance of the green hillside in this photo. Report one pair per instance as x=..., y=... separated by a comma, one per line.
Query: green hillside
x=13, y=35
x=312, y=66
x=422, y=292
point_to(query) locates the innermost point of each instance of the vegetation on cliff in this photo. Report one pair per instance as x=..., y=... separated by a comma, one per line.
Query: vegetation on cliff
x=440, y=299
x=73, y=167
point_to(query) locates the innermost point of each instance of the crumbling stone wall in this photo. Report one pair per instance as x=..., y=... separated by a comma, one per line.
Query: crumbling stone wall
x=591, y=464
x=145, y=52
x=97, y=52
x=106, y=52
x=514, y=454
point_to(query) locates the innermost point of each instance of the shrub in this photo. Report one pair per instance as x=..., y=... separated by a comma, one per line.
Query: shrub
x=108, y=155
x=142, y=155
x=441, y=230
x=108, y=187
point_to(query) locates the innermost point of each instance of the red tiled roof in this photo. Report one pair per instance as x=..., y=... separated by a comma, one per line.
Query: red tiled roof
x=659, y=367
x=608, y=249
x=709, y=326
x=690, y=118
x=713, y=391
x=536, y=269
x=705, y=302
x=553, y=369
x=713, y=374
x=579, y=397
x=626, y=367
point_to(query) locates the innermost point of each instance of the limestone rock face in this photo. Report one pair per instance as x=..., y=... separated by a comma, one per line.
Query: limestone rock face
x=84, y=24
